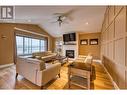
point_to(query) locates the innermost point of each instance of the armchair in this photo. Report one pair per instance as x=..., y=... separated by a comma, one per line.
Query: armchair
x=37, y=71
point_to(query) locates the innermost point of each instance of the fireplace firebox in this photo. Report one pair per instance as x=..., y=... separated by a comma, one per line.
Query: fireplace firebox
x=70, y=53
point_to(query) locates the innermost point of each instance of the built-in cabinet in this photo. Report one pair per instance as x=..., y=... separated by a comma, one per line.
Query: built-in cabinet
x=114, y=44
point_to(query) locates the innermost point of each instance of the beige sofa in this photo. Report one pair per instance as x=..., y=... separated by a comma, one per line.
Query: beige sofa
x=37, y=71
x=45, y=56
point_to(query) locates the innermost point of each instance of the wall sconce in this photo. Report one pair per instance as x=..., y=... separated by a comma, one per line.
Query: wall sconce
x=3, y=36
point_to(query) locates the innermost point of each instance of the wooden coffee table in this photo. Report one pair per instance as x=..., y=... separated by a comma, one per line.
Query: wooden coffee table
x=61, y=59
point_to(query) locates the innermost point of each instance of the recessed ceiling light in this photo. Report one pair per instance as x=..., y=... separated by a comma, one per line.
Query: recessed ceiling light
x=86, y=23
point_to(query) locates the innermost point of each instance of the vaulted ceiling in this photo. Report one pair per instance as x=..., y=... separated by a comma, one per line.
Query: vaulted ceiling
x=84, y=18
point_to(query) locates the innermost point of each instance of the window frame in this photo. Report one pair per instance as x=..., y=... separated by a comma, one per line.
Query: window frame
x=30, y=47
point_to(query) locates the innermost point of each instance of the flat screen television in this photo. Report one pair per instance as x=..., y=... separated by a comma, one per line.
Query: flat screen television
x=66, y=37
x=69, y=37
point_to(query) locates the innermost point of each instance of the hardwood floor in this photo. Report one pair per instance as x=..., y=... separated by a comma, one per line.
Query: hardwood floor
x=8, y=81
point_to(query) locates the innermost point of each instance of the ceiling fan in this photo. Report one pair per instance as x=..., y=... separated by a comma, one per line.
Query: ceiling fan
x=62, y=18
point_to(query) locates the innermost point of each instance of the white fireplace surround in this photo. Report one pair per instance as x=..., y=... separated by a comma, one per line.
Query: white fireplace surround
x=70, y=47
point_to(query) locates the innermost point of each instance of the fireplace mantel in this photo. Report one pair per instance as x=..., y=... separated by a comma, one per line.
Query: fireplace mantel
x=70, y=47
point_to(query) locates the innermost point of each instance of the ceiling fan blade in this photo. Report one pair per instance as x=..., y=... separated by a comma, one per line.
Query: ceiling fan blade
x=68, y=14
x=63, y=17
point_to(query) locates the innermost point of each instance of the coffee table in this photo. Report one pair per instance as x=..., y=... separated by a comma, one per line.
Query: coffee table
x=61, y=59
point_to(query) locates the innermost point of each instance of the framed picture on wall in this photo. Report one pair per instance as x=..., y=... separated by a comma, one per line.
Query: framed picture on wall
x=84, y=42
x=93, y=41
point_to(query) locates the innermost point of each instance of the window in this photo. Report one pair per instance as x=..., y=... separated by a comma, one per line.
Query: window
x=19, y=41
x=43, y=45
x=26, y=45
x=36, y=45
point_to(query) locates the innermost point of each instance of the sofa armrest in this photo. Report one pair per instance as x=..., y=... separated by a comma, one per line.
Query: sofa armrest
x=48, y=74
x=55, y=66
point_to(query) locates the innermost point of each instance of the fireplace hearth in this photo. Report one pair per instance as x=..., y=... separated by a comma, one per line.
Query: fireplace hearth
x=70, y=53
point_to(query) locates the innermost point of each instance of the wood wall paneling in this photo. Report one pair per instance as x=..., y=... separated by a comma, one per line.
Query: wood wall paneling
x=107, y=35
x=111, y=32
x=111, y=50
x=107, y=19
x=93, y=49
x=120, y=52
x=114, y=44
x=104, y=36
x=117, y=9
x=126, y=52
x=104, y=25
x=121, y=77
x=107, y=50
x=120, y=24
x=126, y=79
x=111, y=13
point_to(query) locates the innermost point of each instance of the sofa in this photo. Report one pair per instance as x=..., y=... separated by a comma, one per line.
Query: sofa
x=45, y=56
x=37, y=71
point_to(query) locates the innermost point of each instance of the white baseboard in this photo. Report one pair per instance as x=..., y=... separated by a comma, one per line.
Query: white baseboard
x=6, y=65
x=114, y=84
